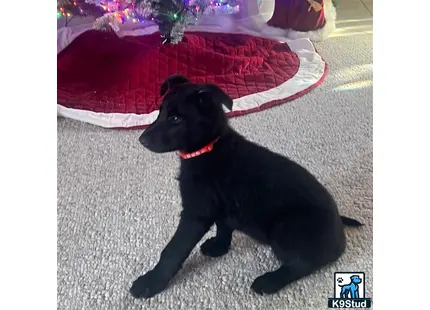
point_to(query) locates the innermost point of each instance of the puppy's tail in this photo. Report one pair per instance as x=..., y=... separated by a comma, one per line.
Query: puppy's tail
x=350, y=222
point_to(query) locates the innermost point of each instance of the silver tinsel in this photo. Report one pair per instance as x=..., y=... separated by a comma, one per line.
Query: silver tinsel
x=107, y=22
x=143, y=8
x=177, y=33
x=172, y=16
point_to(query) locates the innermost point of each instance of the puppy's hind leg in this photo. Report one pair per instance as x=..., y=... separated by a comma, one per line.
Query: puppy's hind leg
x=294, y=266
x=220, y=244
x=303, y=242
x=274, y=281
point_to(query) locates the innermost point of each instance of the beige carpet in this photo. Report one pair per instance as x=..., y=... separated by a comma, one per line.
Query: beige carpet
x=118, y=204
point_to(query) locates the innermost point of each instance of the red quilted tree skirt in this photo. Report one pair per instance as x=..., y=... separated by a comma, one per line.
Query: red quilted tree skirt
x=114, y=82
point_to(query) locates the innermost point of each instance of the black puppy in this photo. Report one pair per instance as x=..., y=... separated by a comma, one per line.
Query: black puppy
x=236, y=184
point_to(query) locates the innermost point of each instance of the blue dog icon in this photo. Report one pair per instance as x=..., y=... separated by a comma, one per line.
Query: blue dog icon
x=351, y=290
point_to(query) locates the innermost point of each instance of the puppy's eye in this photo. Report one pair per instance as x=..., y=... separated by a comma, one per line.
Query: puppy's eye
x=174, y=119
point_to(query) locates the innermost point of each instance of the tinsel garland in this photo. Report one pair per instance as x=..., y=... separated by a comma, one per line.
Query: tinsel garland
x=172, y=16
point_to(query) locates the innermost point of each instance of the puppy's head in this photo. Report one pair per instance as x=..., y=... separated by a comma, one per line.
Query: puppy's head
x=191, y=116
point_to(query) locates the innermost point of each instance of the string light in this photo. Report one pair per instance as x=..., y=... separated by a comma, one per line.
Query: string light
x=114, y=6
x=116, y=12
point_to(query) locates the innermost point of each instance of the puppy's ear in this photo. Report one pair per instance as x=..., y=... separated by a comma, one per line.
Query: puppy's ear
x=212, y=93
x=172, y=81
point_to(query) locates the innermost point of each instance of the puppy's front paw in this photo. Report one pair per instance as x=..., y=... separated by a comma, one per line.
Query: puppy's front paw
x=148, y=285
x=214, y=248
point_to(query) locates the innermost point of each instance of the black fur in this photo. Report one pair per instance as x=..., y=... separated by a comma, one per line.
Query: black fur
x=350, y=222
x=171, y=81
x=238, y=185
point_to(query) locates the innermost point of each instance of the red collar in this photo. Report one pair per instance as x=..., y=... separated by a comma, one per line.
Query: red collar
x=203, y=150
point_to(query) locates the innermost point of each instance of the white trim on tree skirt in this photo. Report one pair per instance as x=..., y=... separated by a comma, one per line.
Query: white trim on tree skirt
x=311, y=72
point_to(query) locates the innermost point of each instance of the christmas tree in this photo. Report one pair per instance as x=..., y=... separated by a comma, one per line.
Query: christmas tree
x=171, y=16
